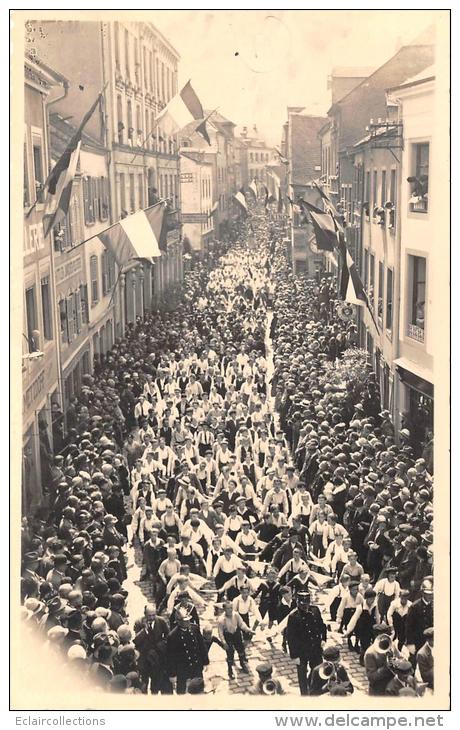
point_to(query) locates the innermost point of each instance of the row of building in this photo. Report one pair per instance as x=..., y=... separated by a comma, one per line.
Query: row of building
x=376, y=152
x=76, y=302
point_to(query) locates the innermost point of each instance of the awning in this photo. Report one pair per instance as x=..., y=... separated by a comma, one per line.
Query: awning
x=415, y=376
x=134, y=237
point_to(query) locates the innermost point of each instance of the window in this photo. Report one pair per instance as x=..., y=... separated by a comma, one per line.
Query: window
x=32, y=319
x=39, y=179
x=63, y=320
x=105, y=273
x=89, y=198
x=374, y=189
x=393, y=187
x=137, y=64
x=117, y=45
x=77, y=309
x=130, y=121
x=26, y=176
x=371, y=277
x=152, y=71
x=380, y=294
x=122, y=192
x=383, y=196
x=121, y=126
x=132, y=194
x=103, y=203
x=366, y=269
x=84, y=303
x=367, y=193
x=419, y=180
x=416, y=298
x=71, y=328
x=46, y=309
x=94, y=276
x=141, y=190
x=389, y=308
x=128, y=74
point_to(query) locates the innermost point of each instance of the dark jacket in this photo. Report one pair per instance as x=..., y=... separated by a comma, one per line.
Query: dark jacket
x=151, y=645
x=186, y=652
x=419, y=618
x=305, y=632
x=319, y=686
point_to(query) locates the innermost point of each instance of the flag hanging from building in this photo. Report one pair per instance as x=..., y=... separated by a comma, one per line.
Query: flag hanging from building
x=283, y=159
x=241, y=200
x=58, y=185
x=330, y=208
x=157, y=216
x=351, y=286
x=134, y=237
x=253, y=189
x=323, y=226
x=181, y=110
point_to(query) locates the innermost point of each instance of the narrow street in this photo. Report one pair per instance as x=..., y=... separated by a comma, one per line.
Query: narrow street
x=259, y=649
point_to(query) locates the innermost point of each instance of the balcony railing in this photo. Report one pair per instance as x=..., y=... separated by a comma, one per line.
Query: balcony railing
x=416, y=333
x=418, y=206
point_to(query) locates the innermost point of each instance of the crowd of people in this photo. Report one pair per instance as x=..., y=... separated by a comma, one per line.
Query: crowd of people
x=247, y=490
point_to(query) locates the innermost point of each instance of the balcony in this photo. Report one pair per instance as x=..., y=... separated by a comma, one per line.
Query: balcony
x=418, y=204
x=416, y=333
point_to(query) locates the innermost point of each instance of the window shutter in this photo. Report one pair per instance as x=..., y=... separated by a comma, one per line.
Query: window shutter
x=104, y=273
x=84, y=303
x=94, y=280
x=86, y=200
x=70, y=321
x=78, y=318
x=96, y=194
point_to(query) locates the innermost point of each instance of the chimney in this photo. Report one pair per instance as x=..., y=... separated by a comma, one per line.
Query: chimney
x=254, y=129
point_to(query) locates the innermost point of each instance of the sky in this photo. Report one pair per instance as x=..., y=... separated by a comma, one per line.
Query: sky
x=252, y=64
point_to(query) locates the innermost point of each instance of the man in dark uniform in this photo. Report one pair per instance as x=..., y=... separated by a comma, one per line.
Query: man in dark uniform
x=305, y=632
x=186, y=651
x=419, y=618
x=150, y=642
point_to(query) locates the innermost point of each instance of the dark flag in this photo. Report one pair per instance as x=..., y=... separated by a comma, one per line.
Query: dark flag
x=323, y=226
x=58, y=185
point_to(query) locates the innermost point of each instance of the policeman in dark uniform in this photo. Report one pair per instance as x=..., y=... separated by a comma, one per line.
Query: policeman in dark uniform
x=305, y=633
x=419, y=618
x=186, y=651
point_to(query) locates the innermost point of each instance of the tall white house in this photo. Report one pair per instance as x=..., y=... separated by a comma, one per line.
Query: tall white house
x=419, y=245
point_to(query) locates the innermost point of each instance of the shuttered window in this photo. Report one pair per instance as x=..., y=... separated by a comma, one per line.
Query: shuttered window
x=94, y=275
x=84, y=303
x=78, y=317
x=105, y=273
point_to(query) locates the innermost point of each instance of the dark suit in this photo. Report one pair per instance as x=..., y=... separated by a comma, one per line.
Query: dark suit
x=425, y=664
x=186, y=655
x=419, y=618
x=151, y=645
x=305, y=631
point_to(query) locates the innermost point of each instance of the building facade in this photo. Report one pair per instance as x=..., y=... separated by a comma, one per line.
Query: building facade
x=197, y=199
x=303, y=152
x=421, y=165
x=42, y=389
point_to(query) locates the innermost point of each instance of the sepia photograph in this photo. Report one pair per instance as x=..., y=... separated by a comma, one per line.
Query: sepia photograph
x=230, y=359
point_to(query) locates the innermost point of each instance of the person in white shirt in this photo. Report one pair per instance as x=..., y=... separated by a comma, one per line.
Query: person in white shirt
x=397, y=615
x=142, y=408
x=276, y=496
x=387, y=590
x=145, y=525
x=245, y=605
x=365, y=617
x=335, y=595
x=225, y=568
x=183, y=585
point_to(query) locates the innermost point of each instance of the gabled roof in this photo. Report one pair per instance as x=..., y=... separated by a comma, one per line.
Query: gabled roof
x=197, y=157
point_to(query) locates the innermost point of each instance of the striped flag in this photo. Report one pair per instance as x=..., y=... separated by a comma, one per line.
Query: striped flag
x=241, y=200
x=58, y=186
x=136, y=236
x=323, y=226
x=181, y=110
x=253, y=189
x=351, y=286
